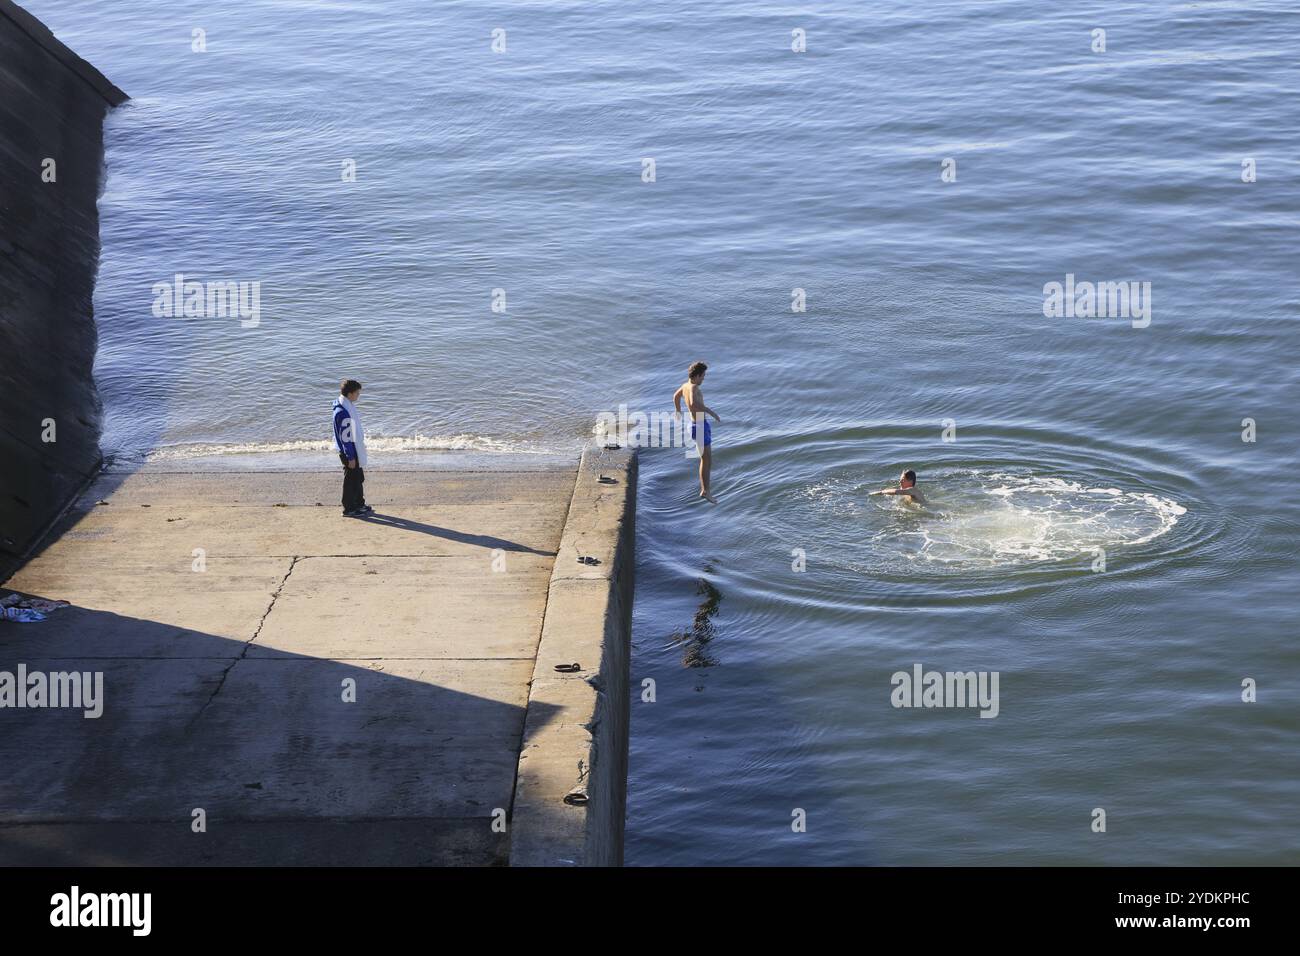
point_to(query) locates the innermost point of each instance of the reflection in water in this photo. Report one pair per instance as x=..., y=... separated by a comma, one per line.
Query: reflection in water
x=695, y=639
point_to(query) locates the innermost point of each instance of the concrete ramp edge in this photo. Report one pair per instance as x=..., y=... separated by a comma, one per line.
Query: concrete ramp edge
x=571, y=786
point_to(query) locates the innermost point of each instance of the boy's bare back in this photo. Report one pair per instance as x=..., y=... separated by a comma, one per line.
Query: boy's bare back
x=693, y=395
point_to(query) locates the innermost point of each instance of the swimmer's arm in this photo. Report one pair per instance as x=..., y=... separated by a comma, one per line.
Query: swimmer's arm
x=677, y=400
x=912, y=493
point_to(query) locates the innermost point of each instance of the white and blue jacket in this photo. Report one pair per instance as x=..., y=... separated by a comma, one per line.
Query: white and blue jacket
x=348, y=437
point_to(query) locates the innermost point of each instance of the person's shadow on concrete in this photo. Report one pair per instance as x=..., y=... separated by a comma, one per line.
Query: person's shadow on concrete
x=481, y=540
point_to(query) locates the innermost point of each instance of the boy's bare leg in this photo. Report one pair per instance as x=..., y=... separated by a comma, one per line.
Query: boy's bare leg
x=706, y=465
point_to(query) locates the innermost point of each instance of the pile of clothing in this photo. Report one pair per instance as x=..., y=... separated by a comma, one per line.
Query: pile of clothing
x=25, y=610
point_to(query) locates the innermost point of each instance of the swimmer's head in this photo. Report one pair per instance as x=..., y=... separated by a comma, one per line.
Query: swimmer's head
x=696, y=372
x=907, y=479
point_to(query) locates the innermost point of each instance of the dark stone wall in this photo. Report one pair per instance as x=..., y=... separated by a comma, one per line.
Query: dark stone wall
x=52, y=105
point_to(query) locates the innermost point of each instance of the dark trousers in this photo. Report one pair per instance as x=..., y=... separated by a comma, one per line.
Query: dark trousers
x=354, y=499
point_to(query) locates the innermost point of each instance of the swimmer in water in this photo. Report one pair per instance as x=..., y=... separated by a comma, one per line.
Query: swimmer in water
x=906, y=487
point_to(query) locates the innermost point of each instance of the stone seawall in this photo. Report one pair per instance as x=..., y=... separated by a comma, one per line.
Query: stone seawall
x=52, y=108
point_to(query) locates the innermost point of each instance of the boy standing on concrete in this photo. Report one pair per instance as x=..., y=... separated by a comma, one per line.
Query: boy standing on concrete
x=351, y=444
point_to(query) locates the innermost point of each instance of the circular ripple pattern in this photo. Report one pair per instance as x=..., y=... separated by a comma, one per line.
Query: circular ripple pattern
x=1008, y=509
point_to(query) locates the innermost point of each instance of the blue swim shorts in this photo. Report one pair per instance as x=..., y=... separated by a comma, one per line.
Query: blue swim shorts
x=708, y=432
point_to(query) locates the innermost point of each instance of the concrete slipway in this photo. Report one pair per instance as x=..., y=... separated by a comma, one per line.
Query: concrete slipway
x=226, y=670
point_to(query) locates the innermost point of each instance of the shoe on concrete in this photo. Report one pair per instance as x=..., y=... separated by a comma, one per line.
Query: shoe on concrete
x=367, y=510
x=355, y=513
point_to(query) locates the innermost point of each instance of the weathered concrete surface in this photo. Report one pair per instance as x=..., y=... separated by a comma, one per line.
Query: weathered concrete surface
x=223, y=686
x=571, y=791
x=52, y=107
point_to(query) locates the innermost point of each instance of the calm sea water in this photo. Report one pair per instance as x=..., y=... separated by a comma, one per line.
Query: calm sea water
x=1119, y=688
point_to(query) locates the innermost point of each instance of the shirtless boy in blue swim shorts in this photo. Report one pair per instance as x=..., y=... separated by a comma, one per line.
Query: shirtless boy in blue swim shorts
x=694, y=396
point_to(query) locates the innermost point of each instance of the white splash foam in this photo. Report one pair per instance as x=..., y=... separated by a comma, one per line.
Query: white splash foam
x=394, y=444
x=984, y=519
x=1002, y=518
